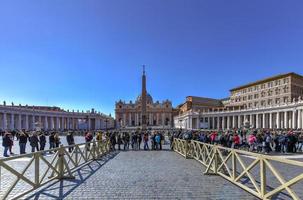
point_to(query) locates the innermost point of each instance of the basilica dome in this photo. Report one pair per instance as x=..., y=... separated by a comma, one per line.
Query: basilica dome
x=149, y=99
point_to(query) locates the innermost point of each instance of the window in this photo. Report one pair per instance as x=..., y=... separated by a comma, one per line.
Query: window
x=256, y=96
x=269, y=102
x=277, y=101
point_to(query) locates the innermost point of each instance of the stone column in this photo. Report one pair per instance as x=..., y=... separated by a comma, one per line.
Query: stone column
x=223, y=122
x=124, y=119
x=263, y=121
x=52, y=123
x=278, y=122
x=4, y=121
x=19, y=122
x=234, y=121
x=150, y=119
x=67, y=123
x=89, y=123
x=299, y=119
x=286, y=119
x=270, y=120
x=228, y=122
x=130, y=119
x=26, y=122
x=45, y=123
x=163, y=119
x=257, y=121
x=12, y=125
x=294, y=120
x=239, y=121
x=191, y=122
x=57, y=123
x=218, y=122
x=251, y=120
x=213, y=121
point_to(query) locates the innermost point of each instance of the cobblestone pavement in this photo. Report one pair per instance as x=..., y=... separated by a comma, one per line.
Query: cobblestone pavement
x=142, y=175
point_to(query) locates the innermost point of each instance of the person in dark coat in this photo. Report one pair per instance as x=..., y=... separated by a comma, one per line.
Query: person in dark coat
x=119, y=140
x=88, y=138
x=42, y=140
x=70, y=141
x=22, y=142
x=52, y=141
x=34, y=142
x=6, y=142
x=113, y=141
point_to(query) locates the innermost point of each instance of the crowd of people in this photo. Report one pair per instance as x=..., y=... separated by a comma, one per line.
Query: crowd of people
x=36, y=139
x=135, y=139
x=120, y=140
x=254, y=140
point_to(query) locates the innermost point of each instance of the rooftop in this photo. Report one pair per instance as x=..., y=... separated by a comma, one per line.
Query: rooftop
x=266, y=80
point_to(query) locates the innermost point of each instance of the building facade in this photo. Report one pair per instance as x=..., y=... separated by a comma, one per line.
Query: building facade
x=51, y=118
x=274, y=103
x=144, y=112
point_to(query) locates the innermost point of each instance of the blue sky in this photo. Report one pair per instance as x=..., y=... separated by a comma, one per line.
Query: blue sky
x=83, y=54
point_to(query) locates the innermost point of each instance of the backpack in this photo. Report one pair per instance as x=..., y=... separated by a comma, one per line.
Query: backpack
x=158, y=138
x=268, y=139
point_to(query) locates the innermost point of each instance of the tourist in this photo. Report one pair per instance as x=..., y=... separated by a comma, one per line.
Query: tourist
x=57, y=140
x=88, y=138
x=34, y=142
x=300, y=142
x=119, y=141
x=236, y=141
x=6, y=142
x=52, y=141
x=113, y=141
x=139, y=140
x=158, y=141
x=145, y=140
x=42, y=140
x=11, y=143
x=70, y=141
x=125, y=139
x=22, y=142
x=252, y=142
x=99, y=137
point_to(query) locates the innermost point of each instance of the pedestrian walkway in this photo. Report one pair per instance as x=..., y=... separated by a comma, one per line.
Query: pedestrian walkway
x=142, y=175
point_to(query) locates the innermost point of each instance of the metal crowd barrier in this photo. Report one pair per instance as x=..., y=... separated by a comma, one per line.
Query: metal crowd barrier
x=59, y=164
x=255, y=173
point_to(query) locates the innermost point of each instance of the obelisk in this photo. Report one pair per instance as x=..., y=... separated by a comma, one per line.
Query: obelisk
x=143, y=100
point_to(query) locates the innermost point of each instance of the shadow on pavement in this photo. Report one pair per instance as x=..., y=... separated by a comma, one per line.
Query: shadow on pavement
x=61, y=189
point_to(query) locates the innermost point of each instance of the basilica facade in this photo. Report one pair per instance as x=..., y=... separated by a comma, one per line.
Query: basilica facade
x=144, y=112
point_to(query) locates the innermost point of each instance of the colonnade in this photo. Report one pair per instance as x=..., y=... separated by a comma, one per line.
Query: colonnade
x=25, y=118
x=285, y=116
x=288, y=119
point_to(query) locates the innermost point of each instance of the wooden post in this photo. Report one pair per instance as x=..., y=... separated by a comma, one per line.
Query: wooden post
x=263, y=177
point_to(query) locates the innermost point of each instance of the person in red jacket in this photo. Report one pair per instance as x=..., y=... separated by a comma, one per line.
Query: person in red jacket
x=236, y=141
